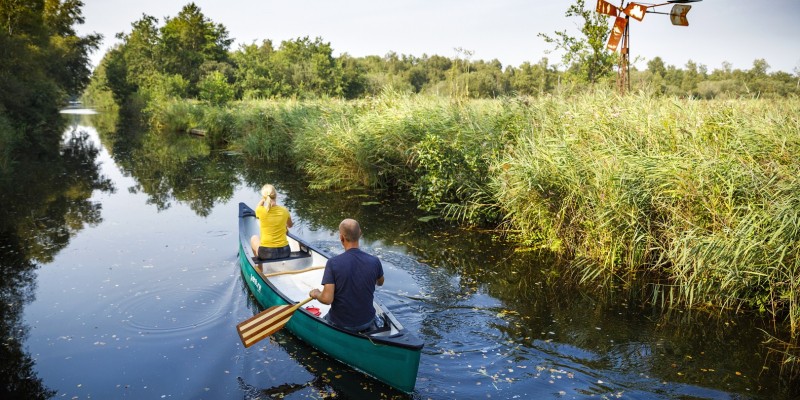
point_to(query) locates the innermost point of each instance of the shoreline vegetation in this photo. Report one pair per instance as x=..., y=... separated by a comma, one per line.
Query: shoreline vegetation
x=684, y=193
x=688, y=203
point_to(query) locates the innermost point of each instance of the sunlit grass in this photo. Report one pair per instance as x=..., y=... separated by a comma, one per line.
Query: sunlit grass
x=699, y=201
x=687, y=203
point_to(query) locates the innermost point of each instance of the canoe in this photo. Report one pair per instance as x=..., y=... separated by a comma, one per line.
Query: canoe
x=389, y=354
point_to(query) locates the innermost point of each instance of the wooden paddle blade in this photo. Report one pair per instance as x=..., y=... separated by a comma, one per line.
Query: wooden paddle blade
x=264, y=324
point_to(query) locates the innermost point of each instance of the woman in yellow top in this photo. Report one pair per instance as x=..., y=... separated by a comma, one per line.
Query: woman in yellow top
x=275, y=221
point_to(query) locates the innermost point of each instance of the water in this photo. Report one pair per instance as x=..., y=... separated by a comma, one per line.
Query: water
x=122, y=281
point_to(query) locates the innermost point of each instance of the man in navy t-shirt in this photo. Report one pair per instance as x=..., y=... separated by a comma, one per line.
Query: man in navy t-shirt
x=349, y=282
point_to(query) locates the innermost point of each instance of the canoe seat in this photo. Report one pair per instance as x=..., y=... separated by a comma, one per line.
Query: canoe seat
x=374, y=329
x=293, y=255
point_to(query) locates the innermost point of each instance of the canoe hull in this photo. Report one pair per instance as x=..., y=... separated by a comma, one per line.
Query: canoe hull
x=393, y=360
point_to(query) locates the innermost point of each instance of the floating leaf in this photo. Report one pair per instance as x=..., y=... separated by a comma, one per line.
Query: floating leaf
x=427, y=218
x=370, y=203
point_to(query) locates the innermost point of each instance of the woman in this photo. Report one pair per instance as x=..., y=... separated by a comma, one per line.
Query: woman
x=275, y=221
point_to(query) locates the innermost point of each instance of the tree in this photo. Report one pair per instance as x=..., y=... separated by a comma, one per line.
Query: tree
x=586, y=55
x=304, y=67
x=253, y=70
x=189, y=40
x=532, y=79
x=656, y=67
x=691, y=78
x=354, y=79
x=135, y=63
x=759, y=69
x=42, y=61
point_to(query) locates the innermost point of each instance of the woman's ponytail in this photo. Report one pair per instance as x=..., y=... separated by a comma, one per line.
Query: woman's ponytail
x=269, y=193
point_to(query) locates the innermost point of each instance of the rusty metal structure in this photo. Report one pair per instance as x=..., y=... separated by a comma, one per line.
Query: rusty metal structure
x=620, y=31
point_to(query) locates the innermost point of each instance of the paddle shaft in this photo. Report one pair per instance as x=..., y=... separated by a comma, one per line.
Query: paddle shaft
x=298, y=271
x=266, y=323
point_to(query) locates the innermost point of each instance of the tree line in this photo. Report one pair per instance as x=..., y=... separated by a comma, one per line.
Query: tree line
x=42, y=62
x=189, y=56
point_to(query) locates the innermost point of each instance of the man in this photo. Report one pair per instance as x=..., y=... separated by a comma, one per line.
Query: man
x=349, y=282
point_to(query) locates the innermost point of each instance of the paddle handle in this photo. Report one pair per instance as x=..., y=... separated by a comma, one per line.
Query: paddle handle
x=297, y=271
x=302, y=303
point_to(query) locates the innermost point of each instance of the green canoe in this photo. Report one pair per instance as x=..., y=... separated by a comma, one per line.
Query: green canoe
x=389, y=353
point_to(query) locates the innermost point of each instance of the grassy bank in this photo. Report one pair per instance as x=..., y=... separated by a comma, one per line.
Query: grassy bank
x=687, y=203
x=698, y=203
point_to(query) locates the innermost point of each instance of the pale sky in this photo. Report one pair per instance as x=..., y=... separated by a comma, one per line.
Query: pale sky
x=736, y=31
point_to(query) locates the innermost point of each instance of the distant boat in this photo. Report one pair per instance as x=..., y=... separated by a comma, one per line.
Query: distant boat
x=389, y=353
x=78, y=111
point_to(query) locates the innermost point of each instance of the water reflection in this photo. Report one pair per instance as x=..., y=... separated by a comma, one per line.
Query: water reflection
x=46, y=202
x=179, y=168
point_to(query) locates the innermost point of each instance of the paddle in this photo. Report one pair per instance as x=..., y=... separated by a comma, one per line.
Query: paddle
x=296, y=271
x=266, y=323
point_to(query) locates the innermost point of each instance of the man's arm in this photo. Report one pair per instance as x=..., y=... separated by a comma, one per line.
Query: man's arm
x=380, y=281
x=326, y=295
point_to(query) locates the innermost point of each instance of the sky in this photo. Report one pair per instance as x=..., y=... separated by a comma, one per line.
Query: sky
x=733, y=31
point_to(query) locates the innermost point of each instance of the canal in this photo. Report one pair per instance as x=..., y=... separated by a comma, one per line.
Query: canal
x=121, y=280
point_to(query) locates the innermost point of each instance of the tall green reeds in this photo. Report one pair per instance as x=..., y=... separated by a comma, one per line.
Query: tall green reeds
x=689, y=203
x=698, y=200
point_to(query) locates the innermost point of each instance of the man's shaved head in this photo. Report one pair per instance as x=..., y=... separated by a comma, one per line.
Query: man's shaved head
x=350, y=230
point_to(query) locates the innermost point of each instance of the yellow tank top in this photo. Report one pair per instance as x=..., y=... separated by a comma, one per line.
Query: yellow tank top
x=273, y=225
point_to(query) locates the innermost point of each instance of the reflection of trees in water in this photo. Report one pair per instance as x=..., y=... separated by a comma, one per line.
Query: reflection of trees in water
x=18, y=378
x=46, y=199
x=45, y=203
x=176, y=168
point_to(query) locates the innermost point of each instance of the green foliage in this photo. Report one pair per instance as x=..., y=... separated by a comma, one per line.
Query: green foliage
x=215, y=89
x=533, y=80
x=253, y=73
x=97, y=95
x=152, y=63
x=188, y=41
x=218, y=125
x=697, y=199
x=43, y=62
x=268, y=128
x=174, y=116
x=587, y=55
x=304, y=67
x=299, y=68
x=354, y=79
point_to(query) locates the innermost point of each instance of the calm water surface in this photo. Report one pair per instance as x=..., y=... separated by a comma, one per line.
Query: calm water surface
x=130, y=288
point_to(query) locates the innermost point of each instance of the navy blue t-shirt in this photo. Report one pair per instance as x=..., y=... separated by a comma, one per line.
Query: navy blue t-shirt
x=354, y=274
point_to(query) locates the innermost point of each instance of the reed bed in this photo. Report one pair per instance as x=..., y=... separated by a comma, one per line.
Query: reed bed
x=687, y=203
x=697, y=201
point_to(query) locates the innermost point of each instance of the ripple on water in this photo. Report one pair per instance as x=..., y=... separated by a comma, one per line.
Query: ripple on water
x=168, y=310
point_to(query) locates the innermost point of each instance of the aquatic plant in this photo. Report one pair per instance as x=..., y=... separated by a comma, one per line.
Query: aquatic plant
x=697, y=201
